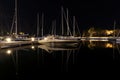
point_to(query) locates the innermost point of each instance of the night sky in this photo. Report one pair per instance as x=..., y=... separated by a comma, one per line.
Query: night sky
x=99, y=14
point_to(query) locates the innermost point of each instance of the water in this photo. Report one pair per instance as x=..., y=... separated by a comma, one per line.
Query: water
x=33, y=60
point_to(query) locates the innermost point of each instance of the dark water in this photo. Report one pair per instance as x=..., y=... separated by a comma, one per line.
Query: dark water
x=29, y=62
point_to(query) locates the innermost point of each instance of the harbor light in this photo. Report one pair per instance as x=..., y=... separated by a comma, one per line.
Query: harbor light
x=8, y=39
x=45, y=38
x=32, y=39
x=108, y=32
x=33, y=47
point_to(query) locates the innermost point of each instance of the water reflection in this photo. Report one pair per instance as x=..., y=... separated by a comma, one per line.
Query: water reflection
x=20, y=62
x=51, y=49
x=96, y=44
x=9, y=51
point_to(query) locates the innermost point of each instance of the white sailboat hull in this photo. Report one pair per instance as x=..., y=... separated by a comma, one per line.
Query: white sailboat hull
x=52, y=41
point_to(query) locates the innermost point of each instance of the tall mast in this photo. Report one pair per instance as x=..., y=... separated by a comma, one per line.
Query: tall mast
x=53, y=27
x=68, y=27
x=16, y=17
x=114, y=28
x=67, y=23
x=42, y=24
x=62, y=20
x=73, y=25
x=37, y=24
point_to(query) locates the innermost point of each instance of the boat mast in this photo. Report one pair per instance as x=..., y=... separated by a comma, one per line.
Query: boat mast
x=62, y=20
x=37, y=24
x=13, y=22
x=114, y=28
x=67, y=23
x=42, y=24
x=68, y=27
x=54, y=27
x=73, y=25
x=16, y=17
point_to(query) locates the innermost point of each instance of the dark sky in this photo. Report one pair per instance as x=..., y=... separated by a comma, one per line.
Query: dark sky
x=99, y=14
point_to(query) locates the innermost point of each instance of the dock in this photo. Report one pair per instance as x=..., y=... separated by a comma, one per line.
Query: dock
x=18, y=43
x=4, y=44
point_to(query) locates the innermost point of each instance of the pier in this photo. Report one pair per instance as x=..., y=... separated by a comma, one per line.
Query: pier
x=9, y=44
x=5, y=44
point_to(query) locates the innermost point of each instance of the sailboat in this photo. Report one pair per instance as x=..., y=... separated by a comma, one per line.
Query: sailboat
x=15, y=40
x=16, y=36
x=57, y=40
x=52, y=40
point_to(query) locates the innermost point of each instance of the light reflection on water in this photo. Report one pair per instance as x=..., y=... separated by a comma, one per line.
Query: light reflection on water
x=28, y=60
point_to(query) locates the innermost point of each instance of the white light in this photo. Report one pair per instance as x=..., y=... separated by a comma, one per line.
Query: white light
x=8, y=39
x=32, y=39
x=45, y=38
x=8, y=51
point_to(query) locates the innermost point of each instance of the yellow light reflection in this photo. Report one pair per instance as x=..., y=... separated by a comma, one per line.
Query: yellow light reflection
x=108, y=45
x=8, y=51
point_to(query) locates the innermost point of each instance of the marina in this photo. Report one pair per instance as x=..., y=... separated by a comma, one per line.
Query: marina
x=40, y=38
x=68, y=36
x=61, y=41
